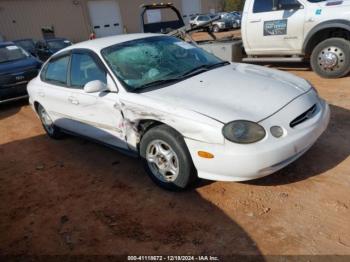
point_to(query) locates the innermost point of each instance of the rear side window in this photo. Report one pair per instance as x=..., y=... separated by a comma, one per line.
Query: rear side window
x=84, y=69
x=261, y=6
x=203, y=18
x=56, y=70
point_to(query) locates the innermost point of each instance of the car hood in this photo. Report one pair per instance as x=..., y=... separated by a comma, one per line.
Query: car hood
x=236, y=91
x=18, y=65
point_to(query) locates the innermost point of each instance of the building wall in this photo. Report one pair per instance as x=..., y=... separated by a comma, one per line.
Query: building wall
x=69, y=18
x=25, y=18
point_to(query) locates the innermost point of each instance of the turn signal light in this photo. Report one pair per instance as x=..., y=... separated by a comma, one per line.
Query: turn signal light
x=205, y=154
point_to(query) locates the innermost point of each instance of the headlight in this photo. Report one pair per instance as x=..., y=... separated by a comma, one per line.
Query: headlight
x=243, y=132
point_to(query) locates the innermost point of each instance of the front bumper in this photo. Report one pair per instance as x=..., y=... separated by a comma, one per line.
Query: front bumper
x=237, y=162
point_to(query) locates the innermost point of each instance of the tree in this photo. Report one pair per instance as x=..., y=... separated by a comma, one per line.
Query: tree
x=232, y=5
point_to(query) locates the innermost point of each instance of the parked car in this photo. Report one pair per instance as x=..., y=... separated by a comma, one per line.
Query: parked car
x=46, y=48
x=187, y=113
x=219, y=25
x=234, y=17
x=17, y=67
x=28, y=45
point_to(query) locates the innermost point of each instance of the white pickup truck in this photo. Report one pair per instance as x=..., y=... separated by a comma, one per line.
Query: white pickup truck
x=315, y=31
x=297, y=30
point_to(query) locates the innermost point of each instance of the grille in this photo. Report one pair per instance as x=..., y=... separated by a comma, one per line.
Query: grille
x=304, y=116
x=10, y=79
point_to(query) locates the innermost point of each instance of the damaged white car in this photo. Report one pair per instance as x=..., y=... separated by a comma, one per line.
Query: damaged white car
x=187, y=113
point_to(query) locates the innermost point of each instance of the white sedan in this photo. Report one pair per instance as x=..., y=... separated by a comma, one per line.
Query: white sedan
x=185, y=112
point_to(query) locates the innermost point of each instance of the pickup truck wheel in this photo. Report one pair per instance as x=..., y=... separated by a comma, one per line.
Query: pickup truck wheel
x=216, y=29
x=50, y=129
x=167, y=159
x=331, y=58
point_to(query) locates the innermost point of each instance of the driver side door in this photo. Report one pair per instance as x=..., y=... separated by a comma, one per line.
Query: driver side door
x=98, y=114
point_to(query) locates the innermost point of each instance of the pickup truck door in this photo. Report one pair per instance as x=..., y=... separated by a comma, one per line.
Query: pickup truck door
x=274, y=27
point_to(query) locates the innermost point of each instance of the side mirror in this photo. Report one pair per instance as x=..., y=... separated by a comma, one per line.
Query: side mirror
x=95, y=86
x=288, y=5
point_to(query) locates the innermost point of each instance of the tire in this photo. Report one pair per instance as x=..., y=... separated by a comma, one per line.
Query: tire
x=162, y=149
x=50, y=129
x=216, y=29
x=337, y=63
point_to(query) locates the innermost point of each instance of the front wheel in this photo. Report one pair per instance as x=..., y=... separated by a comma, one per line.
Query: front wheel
x=167, y=159
x=331, y=58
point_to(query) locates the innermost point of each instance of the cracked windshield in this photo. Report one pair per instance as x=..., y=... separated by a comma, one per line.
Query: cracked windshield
x=153, y=61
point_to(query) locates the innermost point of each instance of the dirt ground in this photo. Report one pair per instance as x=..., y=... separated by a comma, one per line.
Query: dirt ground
x=76, y=197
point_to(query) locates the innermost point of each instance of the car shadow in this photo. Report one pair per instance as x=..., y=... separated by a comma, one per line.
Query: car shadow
x=74, y=197
x=11, y=108
x=332, y=148
x=302, y=66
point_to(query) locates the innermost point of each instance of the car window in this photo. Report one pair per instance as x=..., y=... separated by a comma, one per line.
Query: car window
x=58, y=44
x=203, y=18
x=263, y=6
x=56, y=70
x=84, y=69
x=12, y=53
x=286, y=4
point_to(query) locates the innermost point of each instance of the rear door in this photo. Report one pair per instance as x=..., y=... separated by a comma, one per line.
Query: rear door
x=271, y=28
x=54, y=91
x=99, y=114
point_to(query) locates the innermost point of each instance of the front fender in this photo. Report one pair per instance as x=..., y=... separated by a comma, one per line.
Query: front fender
x=335, y=23
x=189, y=124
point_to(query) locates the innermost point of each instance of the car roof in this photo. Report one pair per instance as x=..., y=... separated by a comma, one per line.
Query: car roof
x=100, y=43
x=55, y=39
x=2, y=44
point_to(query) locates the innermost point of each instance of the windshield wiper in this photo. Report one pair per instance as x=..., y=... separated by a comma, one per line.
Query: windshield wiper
x=159, y=82
x=194, y=71
x=204, y=68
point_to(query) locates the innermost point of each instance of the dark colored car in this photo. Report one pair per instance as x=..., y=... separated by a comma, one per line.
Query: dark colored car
x=28, y=45
x=46, y=48
x=17, y=68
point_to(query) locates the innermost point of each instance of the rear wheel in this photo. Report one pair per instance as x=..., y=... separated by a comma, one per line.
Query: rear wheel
x=51, y=130
x=331, y=58
x=167, y=159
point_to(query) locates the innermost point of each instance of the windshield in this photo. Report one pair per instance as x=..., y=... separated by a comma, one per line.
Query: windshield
x=58, y=44
x=143, y=62
x=11, y=53
x=26, y=44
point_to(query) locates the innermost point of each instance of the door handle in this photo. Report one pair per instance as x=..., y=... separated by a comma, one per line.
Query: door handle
x=255, y=21
x=73, y=100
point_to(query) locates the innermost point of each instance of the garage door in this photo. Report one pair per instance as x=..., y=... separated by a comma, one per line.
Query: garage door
x=105, y=18
x=190, y=8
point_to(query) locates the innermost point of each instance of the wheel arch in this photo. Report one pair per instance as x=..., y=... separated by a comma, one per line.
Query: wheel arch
x=328, y=29
x=36, y=106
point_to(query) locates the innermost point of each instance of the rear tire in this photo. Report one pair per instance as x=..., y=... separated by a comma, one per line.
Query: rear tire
x=331, y=58
x=49, y=127
x=166, y=159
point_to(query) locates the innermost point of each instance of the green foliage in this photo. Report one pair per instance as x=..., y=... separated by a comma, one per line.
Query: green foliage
x=232, y=5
